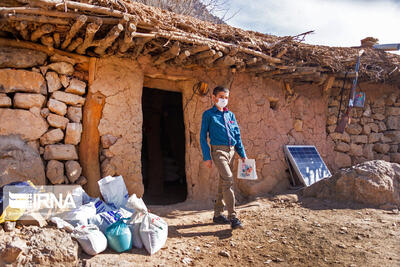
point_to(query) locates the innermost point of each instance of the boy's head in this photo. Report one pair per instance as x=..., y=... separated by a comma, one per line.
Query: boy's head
x=220, y=92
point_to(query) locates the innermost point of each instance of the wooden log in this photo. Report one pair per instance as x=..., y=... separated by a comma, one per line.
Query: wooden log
x=47, y=41
x=169, y=54
x=91, y=30
x=42, y=30
x=50, y=13
x=259, y=68
x=205, y=54
x=198, y=49
x=225, y=62
x=109, y=39
x=80, y=21
x=36, y=19
x=60, y=58
x=328, y=84
x=341, y=75
x=75, y=43
x=90, y=140
x=251, y=61
x=144, y=35
x=305, y=70
x=209, y=61
x=56, y=38
x=81, y=75
x=139, y=44
x=48, y=51
x=127, y=41
x=182, y=57
x=22, y=27
x=281, y=53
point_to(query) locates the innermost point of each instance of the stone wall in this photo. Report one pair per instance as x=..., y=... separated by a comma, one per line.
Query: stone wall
x=374, y=131
x=41, y=100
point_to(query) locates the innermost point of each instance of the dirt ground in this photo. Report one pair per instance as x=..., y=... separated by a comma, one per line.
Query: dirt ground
x=277, y=231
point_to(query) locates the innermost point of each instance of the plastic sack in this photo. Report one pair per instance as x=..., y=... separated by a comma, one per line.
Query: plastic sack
x=61, y=224
x=134, y=224
x=90, y=238
x=119, y=236
x=113, y=190
x=80, y=215
x=101, y=206
x=78, y=193
x=247, y=169
x=137, y=204
x=105, y=219
x=153, y=232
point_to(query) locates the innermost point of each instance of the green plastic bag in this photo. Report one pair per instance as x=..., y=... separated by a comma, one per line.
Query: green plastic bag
x=119, y=236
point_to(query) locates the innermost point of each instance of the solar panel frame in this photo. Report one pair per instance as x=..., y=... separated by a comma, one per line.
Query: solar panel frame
x=307, y=163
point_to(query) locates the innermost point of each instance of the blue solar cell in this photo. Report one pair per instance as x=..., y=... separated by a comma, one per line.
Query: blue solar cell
x=308, y=163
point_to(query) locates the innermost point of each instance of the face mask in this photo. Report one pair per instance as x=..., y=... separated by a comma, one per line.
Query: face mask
x=222, y=102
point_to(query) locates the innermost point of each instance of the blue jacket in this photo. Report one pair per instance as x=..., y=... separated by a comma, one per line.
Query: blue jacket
x=222, y=128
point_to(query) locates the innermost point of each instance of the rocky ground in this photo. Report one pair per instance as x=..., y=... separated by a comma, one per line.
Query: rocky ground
x=279, y=231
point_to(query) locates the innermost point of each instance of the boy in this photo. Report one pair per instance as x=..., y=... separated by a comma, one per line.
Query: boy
x=222, y=127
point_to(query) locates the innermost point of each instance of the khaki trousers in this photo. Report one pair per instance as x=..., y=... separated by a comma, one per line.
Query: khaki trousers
x=223, y=160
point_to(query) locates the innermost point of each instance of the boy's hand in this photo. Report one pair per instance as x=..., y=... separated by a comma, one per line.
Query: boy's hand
x=208, y=163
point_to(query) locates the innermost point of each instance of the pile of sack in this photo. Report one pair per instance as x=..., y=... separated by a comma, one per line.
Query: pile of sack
x=119, y=221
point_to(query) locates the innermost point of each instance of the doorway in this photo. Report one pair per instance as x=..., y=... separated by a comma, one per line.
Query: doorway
x=163, y=148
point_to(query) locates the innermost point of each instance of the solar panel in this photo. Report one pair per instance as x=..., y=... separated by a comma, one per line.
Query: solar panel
x=307, y=163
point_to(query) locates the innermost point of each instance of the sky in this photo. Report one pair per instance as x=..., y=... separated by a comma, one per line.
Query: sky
x=335, y=22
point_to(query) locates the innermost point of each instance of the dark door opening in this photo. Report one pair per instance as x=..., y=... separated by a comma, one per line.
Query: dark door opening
x=163, y=150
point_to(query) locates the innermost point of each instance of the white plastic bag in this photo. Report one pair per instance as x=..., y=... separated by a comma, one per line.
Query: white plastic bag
x=90, y=238
x=137, y=204
x=79, y=215
x=113, y=190
x=101, y=206
x=134, y=224
x=153, y=232
x=105, y=219
x=247, y=169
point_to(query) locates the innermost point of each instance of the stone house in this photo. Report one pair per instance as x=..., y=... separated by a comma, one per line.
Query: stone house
x=120, y=90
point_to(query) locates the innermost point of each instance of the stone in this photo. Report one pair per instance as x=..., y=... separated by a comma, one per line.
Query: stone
x=378, y=116
x=53, y=81
x=107, y=153
x=354, y=129
x=44, y=112
x=381, y=126
x=395, y=157
x=74, y=114
x=333, y=102
x=342, y=147
x=22, y=122
x=386, y=139
x=34, y=144
x=224, y=253
x=73, y=170
x=43, y=70
x=331, y=120
x=393, y=123
x=20, y=58
x=366, y=129
x=379, y=103
x=107, y=168
x=342, y=160
x=365, y=120
x=73, y=133
x=52, y=137
x=13, y=249
x=60, y=58
x=345, y=137
x=331, y=129
x=55, y=171
x=62, y=68
x=367, y=112
x=298, y=125
x=81, y=180
x=392, y=111
x=359, y=139
x=5, y=101
x=372, y=183
x=60, y=152
x=286, y=198
x=19, y=162
x=356, y=150
x=9, y=226
x=76, y=87
x=64, y=80
x=108, y=140
x=393, y=135
x=26, y=101
x=57, y=121
x=35, y=111
x=374, y=127
x=67, y=98
x=380, y=156
x=382, y=148
x=394, y=148
x=21, y=81
x=391, y=99
x=374, y=137
x=41, y=246
x=368, y=152
x=57, y=107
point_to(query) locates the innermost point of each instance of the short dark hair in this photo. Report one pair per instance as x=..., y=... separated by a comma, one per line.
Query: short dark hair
x=220, y=89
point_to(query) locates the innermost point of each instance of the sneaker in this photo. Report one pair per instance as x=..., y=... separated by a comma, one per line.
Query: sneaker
x=235, y=223
x=221, y=219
